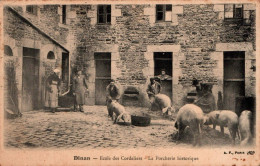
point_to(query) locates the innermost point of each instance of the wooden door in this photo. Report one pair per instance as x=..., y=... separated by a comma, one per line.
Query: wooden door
x=234, y=78
x=163, y=60
x=103, y=76
x=30, y=93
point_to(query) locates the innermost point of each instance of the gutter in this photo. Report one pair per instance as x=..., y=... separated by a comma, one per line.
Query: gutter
x=38, y=29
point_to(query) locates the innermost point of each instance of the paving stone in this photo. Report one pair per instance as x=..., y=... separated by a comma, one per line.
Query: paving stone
x=92, y=130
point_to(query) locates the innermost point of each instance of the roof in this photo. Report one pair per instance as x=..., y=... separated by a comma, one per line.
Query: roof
x=37, y=28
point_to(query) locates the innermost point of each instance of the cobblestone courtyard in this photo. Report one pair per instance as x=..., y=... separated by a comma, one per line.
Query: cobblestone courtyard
x=93, y=129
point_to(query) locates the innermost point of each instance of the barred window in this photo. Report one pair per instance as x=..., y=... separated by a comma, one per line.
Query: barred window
x=104, y=14
x=163, y=12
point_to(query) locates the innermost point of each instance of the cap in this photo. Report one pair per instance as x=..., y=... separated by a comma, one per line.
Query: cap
x=56, y=70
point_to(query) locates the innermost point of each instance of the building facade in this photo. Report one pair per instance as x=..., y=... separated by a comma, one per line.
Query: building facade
x=33, y=47
x=213, y=43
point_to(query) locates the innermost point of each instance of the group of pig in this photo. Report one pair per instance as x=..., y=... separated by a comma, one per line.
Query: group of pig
x=192, y=115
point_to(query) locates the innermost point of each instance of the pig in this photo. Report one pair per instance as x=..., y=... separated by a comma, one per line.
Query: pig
x=244, y=127
x=212, y=118
x=119, y=111
x=163, y=102
x=224, y=118
x=190, y=115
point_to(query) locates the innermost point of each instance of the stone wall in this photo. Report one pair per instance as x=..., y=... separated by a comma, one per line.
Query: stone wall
x=196, y=28
x=19, y=34
x=48, y=20
x=197, y=35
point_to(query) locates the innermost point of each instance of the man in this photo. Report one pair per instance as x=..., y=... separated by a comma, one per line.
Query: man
x=52, y=90
x=164, y=76
x=153, y=88
x=112, y=93
x=79, y=88
x=204, y=99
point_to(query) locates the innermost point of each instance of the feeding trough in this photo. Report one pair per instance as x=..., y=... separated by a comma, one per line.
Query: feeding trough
x=141, y=120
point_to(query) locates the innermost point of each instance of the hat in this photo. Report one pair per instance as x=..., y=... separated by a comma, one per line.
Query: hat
x=56, y=70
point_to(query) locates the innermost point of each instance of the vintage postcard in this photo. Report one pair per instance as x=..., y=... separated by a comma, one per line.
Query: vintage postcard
x=116, y=82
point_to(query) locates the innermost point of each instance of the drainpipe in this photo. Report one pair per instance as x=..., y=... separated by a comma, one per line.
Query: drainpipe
x=68, y=80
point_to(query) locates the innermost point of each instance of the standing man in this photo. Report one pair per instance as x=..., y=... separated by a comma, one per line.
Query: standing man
x=79, y=88
x=112, y=92
x=153, y=88
x=52, y=90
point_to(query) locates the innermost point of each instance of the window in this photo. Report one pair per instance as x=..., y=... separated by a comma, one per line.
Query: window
x=8, y=51
x=237, y=12
x=64, y=14
x=233, y=11
x=104, y=14
x=50, y=55
x=163, y=12
x=31, y=9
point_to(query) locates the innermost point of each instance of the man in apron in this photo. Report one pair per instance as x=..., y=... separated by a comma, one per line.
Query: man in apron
x=79, y=88
x=52, y=90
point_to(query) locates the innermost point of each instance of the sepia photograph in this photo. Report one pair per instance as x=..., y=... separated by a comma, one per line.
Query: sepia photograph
x=129, y=82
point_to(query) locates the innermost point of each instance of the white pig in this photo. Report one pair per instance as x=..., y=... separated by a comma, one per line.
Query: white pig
x=212, y=118
x=163, y=102
x=192, y=116
x=224, y=118
x=119, y=111
x=244, y=127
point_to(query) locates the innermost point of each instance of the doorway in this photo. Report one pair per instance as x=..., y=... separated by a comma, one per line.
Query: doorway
x=103, y=76
x=234, y=78
x=30, y=79
x=163, y=62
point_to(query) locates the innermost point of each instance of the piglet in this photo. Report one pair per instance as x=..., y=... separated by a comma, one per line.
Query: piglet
x=192, y=116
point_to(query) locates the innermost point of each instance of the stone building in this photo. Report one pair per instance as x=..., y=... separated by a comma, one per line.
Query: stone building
x=214, y=43
x=33, y=47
